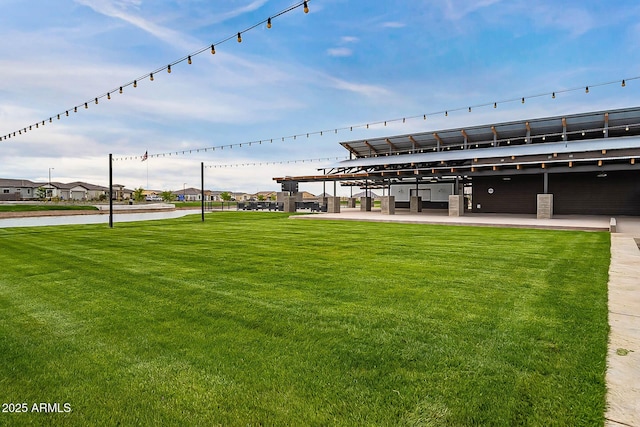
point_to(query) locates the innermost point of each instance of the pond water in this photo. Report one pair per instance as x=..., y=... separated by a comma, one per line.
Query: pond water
x=92, y=219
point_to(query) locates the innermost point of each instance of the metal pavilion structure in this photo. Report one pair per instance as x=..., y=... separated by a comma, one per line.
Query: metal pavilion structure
x=589, y=162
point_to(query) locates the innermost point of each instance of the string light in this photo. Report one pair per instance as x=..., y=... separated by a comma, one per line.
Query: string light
x=189, y=60
x=135, y=83
x=151, y=76
x=120, y=89
x=96, y=101
x=109, y=95
x=213, y=50
x=306, y=7
x=269, y=23
x=586, y=90
x=169, y=68
x=623, y=83
x=239, y=38
x=280, y=162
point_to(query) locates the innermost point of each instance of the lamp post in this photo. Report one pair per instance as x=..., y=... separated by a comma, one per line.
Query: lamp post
x=184, y=192
x=50, y=190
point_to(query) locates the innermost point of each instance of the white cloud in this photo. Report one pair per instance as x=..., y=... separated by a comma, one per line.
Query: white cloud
x=349, y=39
x=369, y=91
x=339, y=52
x=455, y=10
x=120, y=10
x=393, y=24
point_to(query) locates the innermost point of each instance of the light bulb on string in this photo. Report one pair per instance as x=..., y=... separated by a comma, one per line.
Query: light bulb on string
x=306, y=7
x=135, y=83
x=553, y=95
x=58, y=116
x=239, y=38
x=96, y=101
x=169, y=69
x=269, y=23
x=586, y=90
x=623, y=83
x=86, y=106
x=523, y=100
x=495, y=105
x=151, y=76
x=109, y=95
x=189, y=60
x=120, y=89
x=75, y=109
x=213, y=50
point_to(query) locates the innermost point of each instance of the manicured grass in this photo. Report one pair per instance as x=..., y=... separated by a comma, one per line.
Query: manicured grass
x=45, y=207
x=255, y=319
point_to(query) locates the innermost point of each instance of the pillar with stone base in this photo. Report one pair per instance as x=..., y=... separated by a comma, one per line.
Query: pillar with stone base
x=289, y=203
x=545, y=206
x=333, y=204
x=388, y=205
x=456, y=205
x=415, y=204
x=365, y=204
x=351, y=203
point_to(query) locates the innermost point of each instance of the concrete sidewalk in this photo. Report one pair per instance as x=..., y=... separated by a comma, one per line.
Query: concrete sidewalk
x=440, y=216
x=623, y=356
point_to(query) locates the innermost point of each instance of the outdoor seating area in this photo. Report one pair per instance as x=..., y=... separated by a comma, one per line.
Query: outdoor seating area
x=260, y=206
x=312, y=206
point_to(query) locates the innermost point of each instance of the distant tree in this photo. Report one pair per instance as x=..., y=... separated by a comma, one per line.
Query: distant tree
x=168, y=196
x=261, y=197
x=225, y=196
x=41, y=193
x=138, y=194
x=272, y=197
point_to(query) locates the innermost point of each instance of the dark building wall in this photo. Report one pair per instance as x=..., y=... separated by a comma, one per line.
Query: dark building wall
x=573, y=194
x=425, y=205
x=617, y=193
x=517, y=194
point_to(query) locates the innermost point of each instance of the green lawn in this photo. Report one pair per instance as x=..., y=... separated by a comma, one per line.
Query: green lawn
x=256, y=319
x=45, y=207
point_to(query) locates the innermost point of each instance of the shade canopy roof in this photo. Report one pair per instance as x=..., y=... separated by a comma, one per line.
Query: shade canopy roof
x=595, y=141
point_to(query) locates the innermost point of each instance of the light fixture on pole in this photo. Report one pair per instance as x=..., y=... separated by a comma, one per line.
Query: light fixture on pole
x=50, y=191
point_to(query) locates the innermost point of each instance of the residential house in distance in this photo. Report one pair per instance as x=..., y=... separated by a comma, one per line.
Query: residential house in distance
x=24, y=189
x=192, y=195
x=18, y=189
x=78, y=191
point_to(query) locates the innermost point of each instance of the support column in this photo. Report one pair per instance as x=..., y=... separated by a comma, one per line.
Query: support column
x=415, y=205
x=351, y=203
x=365, y=204
x=545, y=206
x=289, y=203
x=388, y=205
x=456, y=205
x=333, y=204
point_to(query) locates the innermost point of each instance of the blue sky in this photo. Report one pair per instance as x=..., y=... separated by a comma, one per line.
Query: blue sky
x=345, y=63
